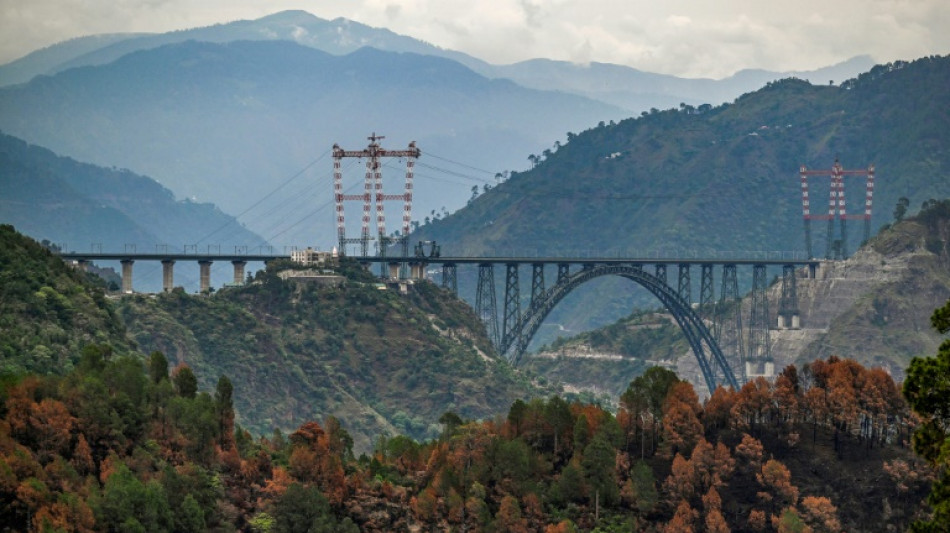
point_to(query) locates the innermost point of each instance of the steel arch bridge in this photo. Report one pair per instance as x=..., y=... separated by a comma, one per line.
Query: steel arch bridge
x=519, y=333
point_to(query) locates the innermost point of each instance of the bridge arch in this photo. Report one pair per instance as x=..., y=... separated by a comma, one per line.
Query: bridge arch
x=515, y=342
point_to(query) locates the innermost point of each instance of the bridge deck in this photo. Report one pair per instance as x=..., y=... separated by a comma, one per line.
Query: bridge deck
x=180, y=256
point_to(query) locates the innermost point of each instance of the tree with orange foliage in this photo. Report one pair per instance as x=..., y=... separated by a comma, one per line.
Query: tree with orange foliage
x=786, y=394
x=749, y=453
x=820, y=514
x=564, y=526
x=753, y=404
x=508, y=518
x=683, y=520
x=681, y=483
x=68, y=513
x=681, y=426
x=715, y=522
x=757, y=520
x=777, y=481
x=717, y=413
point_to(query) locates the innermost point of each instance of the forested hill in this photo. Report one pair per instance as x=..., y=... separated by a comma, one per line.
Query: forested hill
x=381, y=361
x=707, y=179
x=113, y=447
x=49, y=311
x=703, y=180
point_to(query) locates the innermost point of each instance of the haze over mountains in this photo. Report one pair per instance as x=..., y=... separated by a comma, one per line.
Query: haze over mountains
x=227, y=113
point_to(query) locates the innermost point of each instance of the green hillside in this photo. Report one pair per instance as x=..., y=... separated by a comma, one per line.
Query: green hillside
x=383, y=361
x=49, y=311
x=707, y=180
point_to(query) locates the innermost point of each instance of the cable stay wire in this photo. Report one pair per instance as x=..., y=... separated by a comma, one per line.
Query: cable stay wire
x=456, y=174
x=300, y=200
x=266, y=196
x=447, y=160
x=311, y=214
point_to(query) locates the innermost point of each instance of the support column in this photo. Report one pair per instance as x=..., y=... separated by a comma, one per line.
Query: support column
x=759, y=349
x=707, y=295
x=239, y=271
x=660, y=269
x=393, y=270
x=127, y=275
x=168, y=275
x=788, y=306
x=204, y=275
x=563, y=271
x=537, y=282
x=418, y=270
x=685, y=290
x=485, y=301
x=512, y=303
x=730, y=318
x=450, y=278
x=82, y=265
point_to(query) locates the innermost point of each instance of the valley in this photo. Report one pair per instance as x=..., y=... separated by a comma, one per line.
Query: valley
x=552, y=357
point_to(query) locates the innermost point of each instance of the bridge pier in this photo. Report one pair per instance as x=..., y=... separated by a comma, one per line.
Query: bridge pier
x=168, y=275
x=729, y=297
x=788, y=316
x=417, y=271
x=684, y=288
x=450, y=278
x=82, y=265
x=759, y=347
x=485, y=301
x=707, y=293
x=537, y=282
x=393, y=270
x=660, y=269
x=512, y=302
x=127, y=275
x=204, y=276
x=239, y=271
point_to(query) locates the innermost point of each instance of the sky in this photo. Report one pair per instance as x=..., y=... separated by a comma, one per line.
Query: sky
x=690, y=38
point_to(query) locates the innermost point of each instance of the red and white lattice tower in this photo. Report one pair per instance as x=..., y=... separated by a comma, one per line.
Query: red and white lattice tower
x=373, y=193
x=837, y=207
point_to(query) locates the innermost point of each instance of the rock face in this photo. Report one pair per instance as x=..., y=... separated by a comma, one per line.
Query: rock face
x=875, y=306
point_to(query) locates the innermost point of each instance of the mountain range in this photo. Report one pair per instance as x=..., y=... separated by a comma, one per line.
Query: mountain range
x=227, y=113
x=83, y=207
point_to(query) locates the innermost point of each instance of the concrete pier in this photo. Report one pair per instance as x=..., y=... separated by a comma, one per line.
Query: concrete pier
x=83, y=265
x=127, y=275
x=204, y=269
x=168, y=275
x=393, y=270
x=417, y=271
x=239, y=271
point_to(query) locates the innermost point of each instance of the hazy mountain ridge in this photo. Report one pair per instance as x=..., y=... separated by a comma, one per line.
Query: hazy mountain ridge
x=226, y=122
x=67, y=202
x=618, y=85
